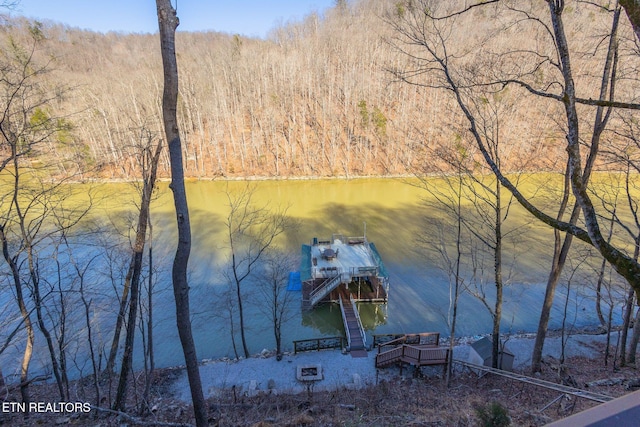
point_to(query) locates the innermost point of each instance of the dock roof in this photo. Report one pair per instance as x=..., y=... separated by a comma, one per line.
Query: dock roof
x=343, y=255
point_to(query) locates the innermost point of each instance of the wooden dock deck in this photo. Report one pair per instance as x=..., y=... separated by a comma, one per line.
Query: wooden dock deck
x=344, y=270
x=349, y=262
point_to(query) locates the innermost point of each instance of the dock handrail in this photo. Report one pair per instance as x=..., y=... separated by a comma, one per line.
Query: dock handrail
x=346, y=325
x=360, y=326
x=388, y=357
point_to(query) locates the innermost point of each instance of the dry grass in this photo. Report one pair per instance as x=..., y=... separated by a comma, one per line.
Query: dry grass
x=419, y=398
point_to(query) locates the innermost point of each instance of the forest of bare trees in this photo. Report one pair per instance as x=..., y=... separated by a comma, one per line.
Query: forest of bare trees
x=588, y=86
x=313, y=99
x=371, y=87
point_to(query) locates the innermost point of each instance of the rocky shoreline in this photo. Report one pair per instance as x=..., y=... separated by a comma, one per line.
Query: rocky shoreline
x=264, y=374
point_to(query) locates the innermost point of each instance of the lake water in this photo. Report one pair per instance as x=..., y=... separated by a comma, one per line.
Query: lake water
x=395, y=217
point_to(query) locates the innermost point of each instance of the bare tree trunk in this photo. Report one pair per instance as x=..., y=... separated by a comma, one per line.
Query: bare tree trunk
x=62, y=331
x=272, y=285
x=626, y=322
x=632, y=295
x=497, y=253
x=26, y=318
x=150, y=355
x=559, y=258
x=87, y=318
x=560, y=254
x=601, y=273
x=111, y=361
x=149, y=176
x=245, y=347
x=457, y=278
x=38, y=302
x=168, y=22
x=635, y=338
x=237, y=282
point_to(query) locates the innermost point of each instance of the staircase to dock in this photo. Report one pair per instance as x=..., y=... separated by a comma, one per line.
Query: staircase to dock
x=414, y=349
x=324, y=289
x=413, y=355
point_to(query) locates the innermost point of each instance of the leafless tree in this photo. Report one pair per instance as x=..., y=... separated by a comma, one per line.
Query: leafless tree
x=423, y=35
x=33, y=208
x=88, y=306
x=272, y=285
x=617, y=198
x=561, y=251
x=168, y=22
x=145, y=157
x=148, y=161
x=567, y=327
x=450, y=261
x=147, y=317
x=251, y=231
x=482, y=218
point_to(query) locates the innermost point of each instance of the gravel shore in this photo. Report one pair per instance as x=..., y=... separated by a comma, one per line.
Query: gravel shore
x=263, y=373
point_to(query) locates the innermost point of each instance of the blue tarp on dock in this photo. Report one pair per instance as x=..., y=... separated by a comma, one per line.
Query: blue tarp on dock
x=381, y=268
x=295, y=284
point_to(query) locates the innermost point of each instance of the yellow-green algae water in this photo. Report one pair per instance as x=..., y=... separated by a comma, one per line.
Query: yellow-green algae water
x=395, y=216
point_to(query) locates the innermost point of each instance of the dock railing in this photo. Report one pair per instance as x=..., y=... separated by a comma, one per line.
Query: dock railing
x=344, y=322
x=350, y=240
x=360, y=327
x=325, y=272
x=353, y=240
x=393, y=340
x=317, y=344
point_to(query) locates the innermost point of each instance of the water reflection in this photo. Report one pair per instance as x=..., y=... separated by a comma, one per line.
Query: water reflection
x=372, y=315
x=325, y=318
x=395, y=216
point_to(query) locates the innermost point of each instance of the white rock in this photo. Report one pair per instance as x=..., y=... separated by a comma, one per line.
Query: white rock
x=357, y=381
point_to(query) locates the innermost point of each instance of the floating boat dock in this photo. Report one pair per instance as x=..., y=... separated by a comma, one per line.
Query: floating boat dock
x=344, y=270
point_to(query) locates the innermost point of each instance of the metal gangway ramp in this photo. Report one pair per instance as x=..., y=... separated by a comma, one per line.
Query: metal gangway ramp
x=356, y=338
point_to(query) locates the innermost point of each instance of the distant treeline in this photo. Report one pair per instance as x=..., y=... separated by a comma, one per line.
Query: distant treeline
x=313, y=99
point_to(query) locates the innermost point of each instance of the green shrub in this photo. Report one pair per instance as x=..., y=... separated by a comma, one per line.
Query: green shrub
x=493, y=415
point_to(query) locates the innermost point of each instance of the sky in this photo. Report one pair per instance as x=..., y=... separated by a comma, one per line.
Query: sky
x=253, y=18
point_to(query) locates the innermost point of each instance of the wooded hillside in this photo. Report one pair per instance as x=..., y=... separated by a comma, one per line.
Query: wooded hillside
x=314, y=99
